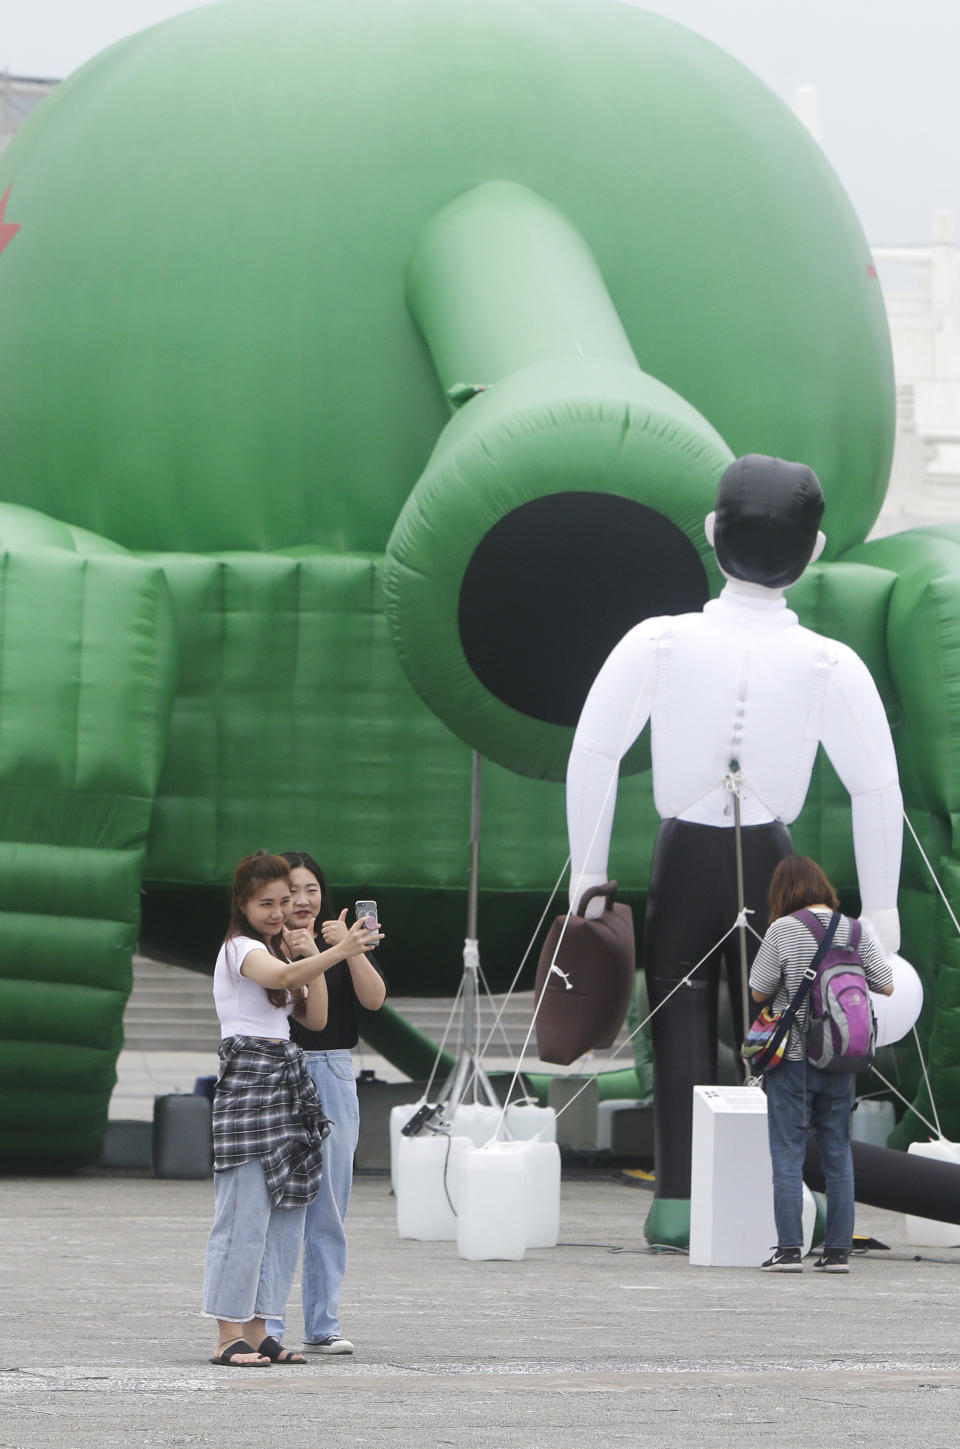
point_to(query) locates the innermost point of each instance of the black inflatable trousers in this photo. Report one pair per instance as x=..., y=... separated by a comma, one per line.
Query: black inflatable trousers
x=692, y=902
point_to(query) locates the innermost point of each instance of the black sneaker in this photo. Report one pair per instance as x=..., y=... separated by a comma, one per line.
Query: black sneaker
x=784, y=1260
x=832, y=1260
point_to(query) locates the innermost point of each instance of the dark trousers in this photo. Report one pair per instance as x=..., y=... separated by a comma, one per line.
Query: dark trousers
x=692, y=902
x=798, y=1094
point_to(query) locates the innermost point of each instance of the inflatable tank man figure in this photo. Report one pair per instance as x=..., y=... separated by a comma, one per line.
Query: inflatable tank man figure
x=739, y=698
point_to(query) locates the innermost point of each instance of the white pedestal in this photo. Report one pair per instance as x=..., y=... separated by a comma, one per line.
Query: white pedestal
x=731, y=1197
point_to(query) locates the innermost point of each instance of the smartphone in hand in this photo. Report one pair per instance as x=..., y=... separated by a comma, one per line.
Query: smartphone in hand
x=367, y=913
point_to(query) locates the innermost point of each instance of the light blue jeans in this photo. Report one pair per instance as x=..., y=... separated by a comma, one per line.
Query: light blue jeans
x=799, y=1095
x=324, y=1237
x=252, y=1250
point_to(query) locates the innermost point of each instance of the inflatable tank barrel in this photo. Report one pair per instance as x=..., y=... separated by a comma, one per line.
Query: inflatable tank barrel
x=561, y=500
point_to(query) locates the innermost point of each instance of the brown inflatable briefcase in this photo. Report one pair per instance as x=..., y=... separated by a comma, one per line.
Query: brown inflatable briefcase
x=598, y=959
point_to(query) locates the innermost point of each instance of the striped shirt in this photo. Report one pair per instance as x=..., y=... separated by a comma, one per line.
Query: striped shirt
x=267, y=1106
x=787, y=950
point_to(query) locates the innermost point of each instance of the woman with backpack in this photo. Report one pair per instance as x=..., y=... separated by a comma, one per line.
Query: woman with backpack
x=800, y=1094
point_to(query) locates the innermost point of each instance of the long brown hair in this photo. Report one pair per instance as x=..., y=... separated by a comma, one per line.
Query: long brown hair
x=252, y=874
x=798, y=882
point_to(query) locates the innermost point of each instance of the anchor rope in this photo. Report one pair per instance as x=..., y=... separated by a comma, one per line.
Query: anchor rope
x=734, y=783
x=626, y=740
x=923, y=1061
x=926, y=861
x=684, y=981
x=926, y=1078
x=443, y=1041
x=730, y=782
x=517, y=974
x=473, y=1078
x=909, y=1105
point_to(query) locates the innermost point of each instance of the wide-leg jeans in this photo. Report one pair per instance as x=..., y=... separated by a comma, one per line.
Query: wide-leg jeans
x=324, y=1235
x=800, y=1096
x=252, y=1250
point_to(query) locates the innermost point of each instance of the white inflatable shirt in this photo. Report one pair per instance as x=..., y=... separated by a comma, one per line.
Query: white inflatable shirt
x=742, y=681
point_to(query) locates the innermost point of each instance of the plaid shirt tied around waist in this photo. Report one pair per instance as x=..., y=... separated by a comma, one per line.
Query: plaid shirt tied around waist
x=266, y=1105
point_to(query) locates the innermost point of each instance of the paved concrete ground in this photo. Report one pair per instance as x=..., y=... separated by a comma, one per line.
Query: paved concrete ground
x=596, y=1342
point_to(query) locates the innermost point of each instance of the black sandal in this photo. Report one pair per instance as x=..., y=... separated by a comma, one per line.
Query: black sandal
x=228, y=1358
x=274, y=1350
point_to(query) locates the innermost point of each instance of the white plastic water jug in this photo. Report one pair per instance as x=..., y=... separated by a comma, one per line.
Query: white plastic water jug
x=476, y=1120
x=526, y=1120
x=929, y=1232
x=492, y=1202
x=428, y=1173
x=399, y=1117
x=541, y=1162
x=873, y=1122
x=541, y=1167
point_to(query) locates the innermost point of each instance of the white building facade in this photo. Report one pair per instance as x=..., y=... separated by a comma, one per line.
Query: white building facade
x=19, y=95
x=921, y=289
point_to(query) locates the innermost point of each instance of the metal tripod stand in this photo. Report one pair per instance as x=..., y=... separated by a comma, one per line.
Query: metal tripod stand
x=467, y=1071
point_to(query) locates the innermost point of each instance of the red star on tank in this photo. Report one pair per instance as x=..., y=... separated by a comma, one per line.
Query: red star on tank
x=8, y=229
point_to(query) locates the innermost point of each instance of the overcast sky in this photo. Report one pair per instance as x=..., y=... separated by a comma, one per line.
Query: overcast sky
x=886, y=72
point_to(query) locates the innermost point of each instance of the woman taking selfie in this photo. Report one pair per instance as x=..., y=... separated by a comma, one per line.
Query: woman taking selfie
x=354, y=981
x=268, y=1122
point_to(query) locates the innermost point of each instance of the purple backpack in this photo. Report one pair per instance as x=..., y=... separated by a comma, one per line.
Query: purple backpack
x=841, y=1033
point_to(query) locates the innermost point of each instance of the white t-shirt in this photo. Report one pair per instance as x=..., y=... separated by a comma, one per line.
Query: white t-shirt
x=242, y=1005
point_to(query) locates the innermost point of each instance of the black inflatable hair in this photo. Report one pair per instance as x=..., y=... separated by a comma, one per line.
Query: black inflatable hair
x=767, y=517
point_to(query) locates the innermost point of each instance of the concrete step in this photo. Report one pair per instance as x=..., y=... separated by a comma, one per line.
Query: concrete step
x=171, y=1009
x=170, y=1028
x=154, y=1042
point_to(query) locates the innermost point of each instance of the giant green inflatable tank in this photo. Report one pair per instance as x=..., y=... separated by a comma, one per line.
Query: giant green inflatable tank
x=367, y=370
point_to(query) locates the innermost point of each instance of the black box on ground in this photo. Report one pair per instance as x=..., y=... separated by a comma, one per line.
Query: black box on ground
x=377, y=1099
x=126, y=1143
x=182, y=1136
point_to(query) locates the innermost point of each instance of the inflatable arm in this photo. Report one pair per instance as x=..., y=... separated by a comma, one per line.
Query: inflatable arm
x=857, y=740
x=617, y=709
x=88, y=672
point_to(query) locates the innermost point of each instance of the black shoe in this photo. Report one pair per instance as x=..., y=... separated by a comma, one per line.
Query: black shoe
x=336, y=1343
x=832, y=1260
x=784, y=1260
